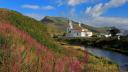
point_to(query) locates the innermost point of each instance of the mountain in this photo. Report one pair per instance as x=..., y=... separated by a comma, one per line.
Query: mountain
x=25, y=46
x=58, y=25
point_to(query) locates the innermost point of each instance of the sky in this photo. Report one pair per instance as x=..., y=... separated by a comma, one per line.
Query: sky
x=91, y=12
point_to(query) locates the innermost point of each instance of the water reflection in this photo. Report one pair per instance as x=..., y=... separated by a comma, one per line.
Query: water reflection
x=120, y=59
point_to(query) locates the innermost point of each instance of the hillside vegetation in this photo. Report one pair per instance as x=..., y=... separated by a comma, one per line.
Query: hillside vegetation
x=29, y=25
x=25, y=46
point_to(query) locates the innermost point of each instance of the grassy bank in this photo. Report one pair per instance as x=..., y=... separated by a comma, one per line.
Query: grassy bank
x=94, y=64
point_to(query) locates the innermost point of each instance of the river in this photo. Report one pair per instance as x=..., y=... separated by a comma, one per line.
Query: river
x=120, y=59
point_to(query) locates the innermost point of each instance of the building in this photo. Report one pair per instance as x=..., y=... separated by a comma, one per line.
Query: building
x=123, y=33
x=77, y=32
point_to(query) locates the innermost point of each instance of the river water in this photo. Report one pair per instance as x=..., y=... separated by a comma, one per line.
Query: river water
x=120, y=59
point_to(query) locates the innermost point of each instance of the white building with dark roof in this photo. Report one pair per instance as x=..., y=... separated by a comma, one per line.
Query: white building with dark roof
x=77, y=32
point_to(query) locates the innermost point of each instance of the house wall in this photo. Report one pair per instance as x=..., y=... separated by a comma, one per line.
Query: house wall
x=83, y=34
x=89, y=34
x=75, y=33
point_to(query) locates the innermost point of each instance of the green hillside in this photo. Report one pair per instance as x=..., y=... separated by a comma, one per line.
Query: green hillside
x=35, y=28
x=25, y=46
x=58, y=25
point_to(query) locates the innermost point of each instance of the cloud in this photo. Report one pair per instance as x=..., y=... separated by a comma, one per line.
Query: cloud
x=115, y=3
x=35, y=7
x=75, y=2
x=31, y=6
x=95, y=11
x=94, y=14
x=112, y=20
x=48, y=7
x=121, y=23
x=60, y=3
x=98, y=9
x=35, y=16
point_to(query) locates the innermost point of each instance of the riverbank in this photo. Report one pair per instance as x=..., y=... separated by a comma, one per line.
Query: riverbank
x=99, y=64
x=111, y=43
x=94, y=64
x=125, y=52
x=118, y=58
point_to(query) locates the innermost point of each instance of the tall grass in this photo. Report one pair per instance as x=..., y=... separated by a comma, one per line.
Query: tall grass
x=22, y=53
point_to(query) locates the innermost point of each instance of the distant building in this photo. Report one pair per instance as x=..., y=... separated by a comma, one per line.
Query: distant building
x=123, y=33
x=107, y=35
x=104, y=35
x=77, y=32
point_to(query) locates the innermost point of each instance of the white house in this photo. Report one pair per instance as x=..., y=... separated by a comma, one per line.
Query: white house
x=107, y=35
x=80, y=32
x=104, y=35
